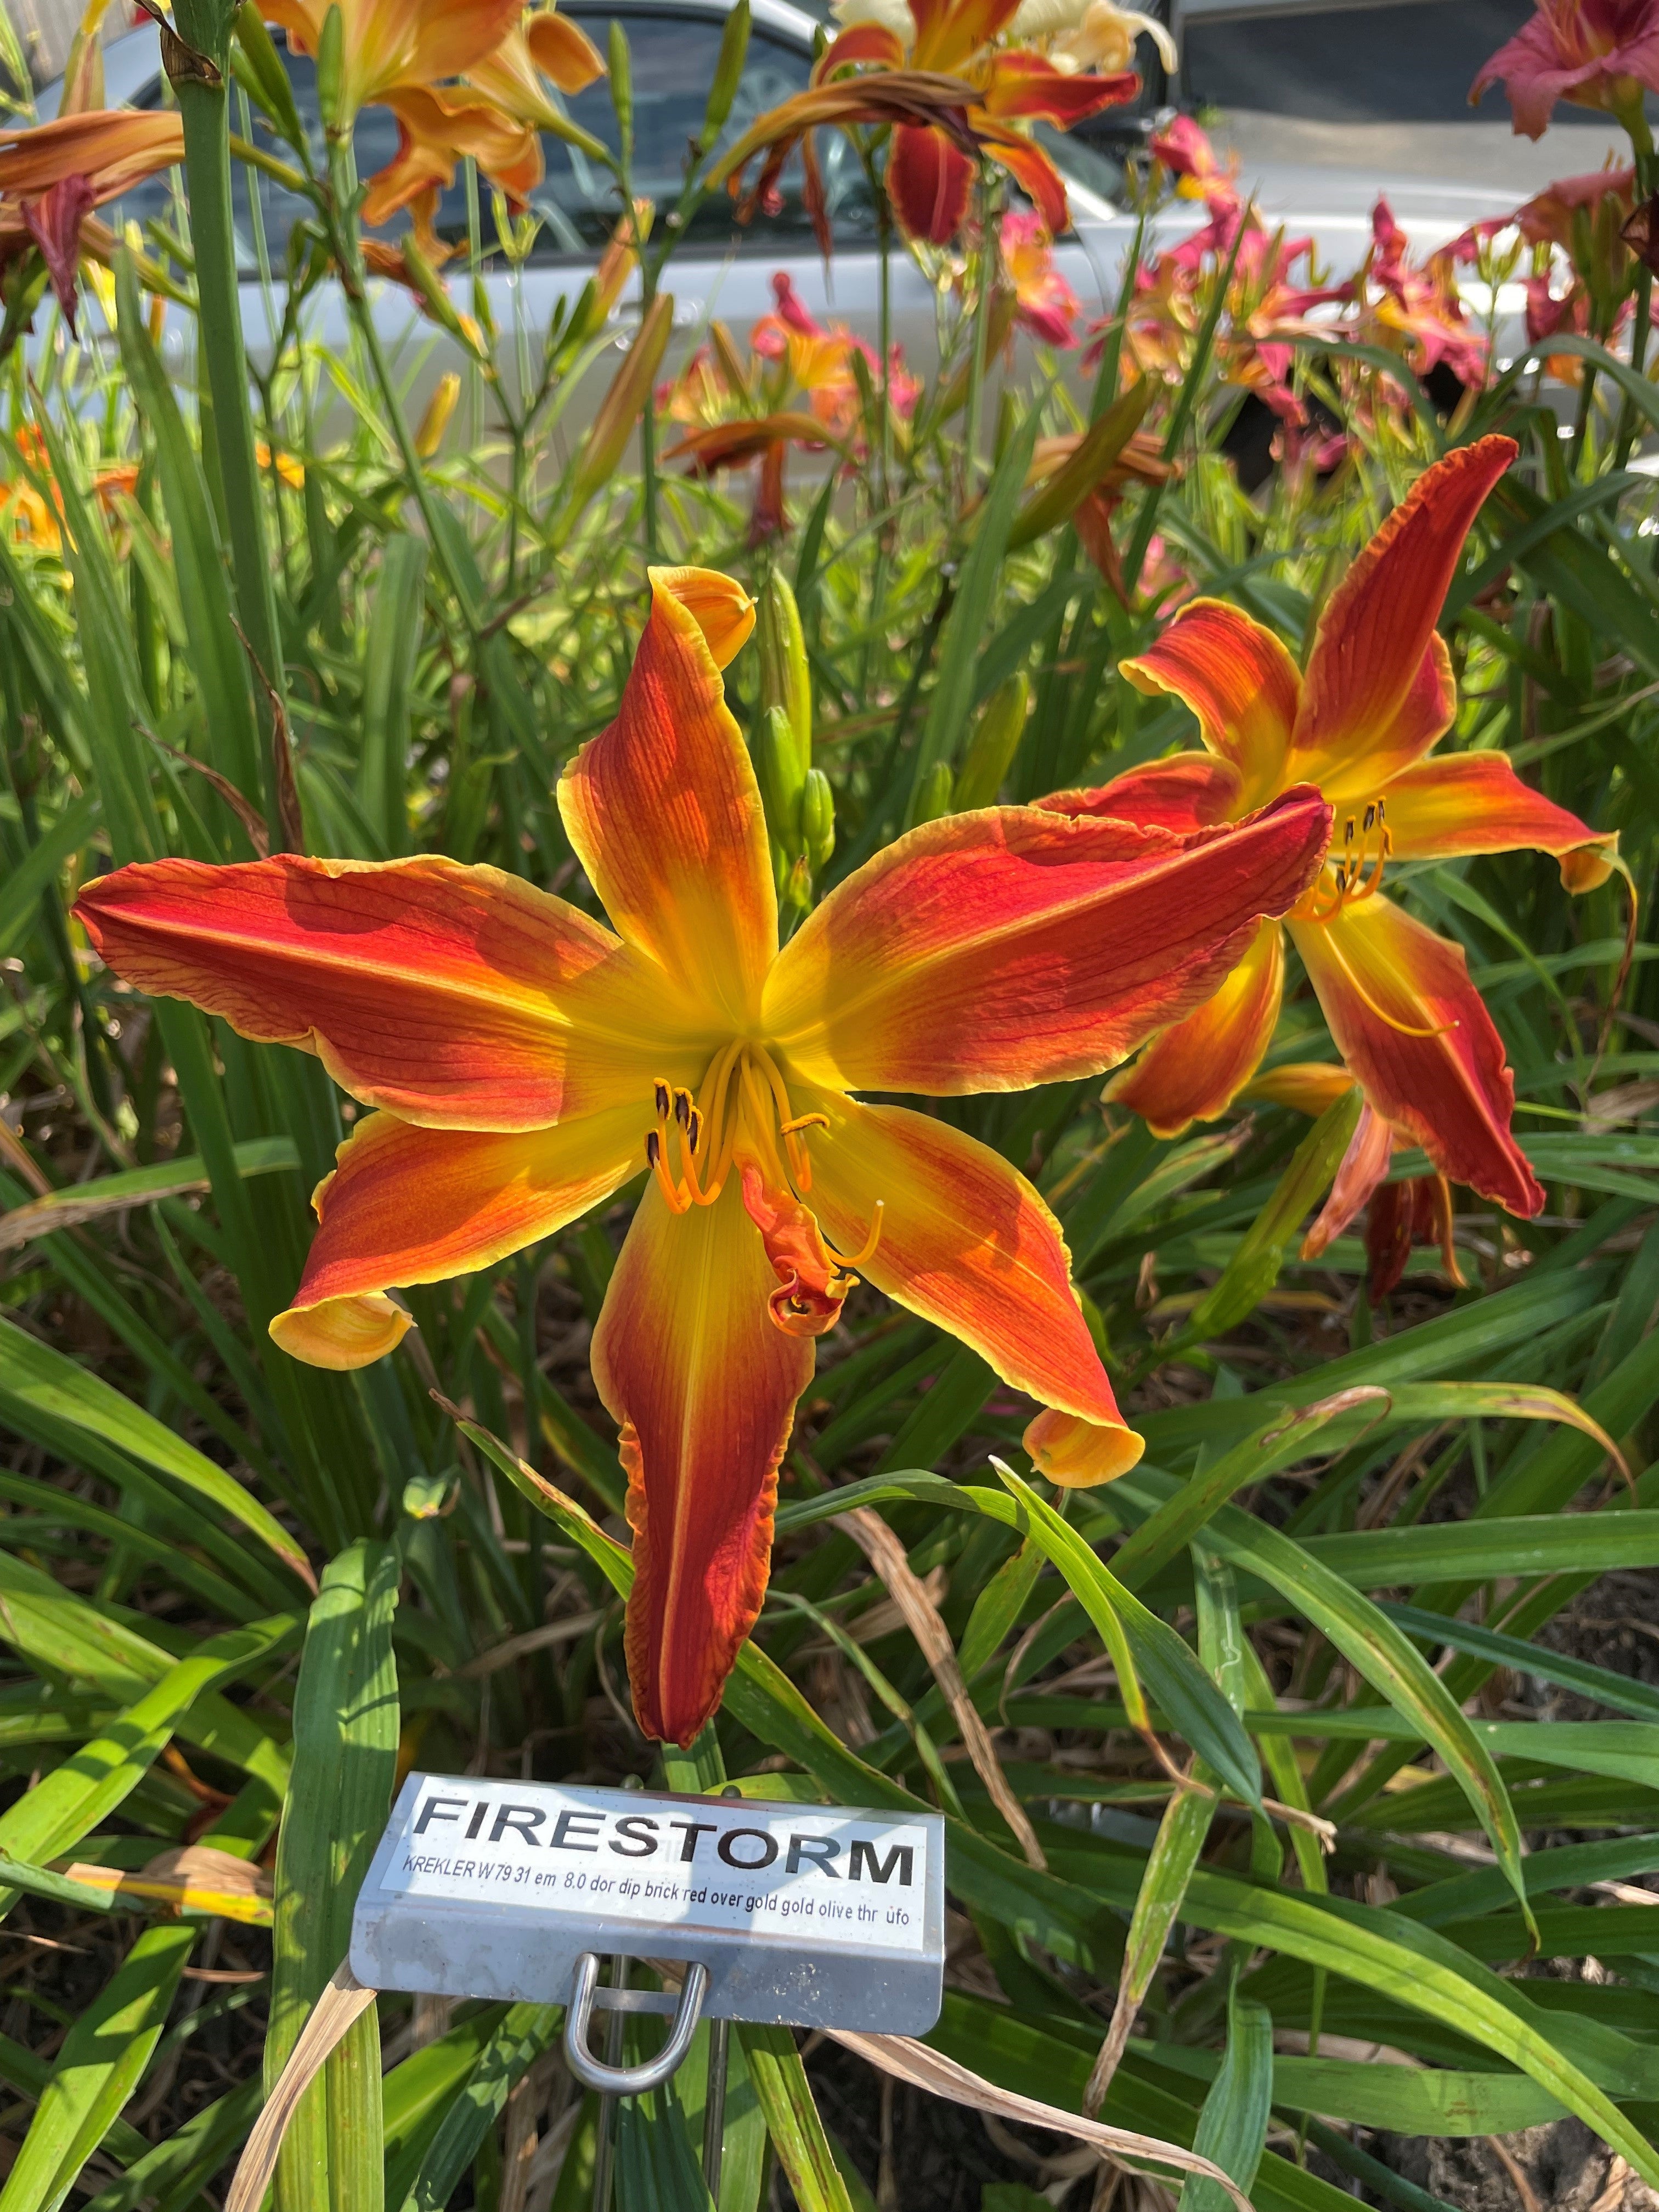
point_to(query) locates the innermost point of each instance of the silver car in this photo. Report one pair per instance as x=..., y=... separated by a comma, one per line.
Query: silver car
x=724, y=268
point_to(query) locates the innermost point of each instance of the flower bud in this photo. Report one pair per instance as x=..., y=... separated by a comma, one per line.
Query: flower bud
x=435, y=421
x=620, y=409
x=728, y=72
x=817, y=818
x=622, y=89
x=778, y=771
x=331, y=73
x=258, y=70
x=995, y=741
x=785, y=679
x=937, y=794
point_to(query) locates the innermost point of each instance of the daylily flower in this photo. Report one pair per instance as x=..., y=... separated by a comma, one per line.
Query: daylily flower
x=1398, y=1215
x=397, y=54
x=36, y=514
x=52, y=175
x=930, y=160
x=526, y=1063
x=389, y=47
x=1596, y=53
x=1377, y=696
x=1184, y=148
x=1422, y=306
x=1044, y=303
x=799, y=388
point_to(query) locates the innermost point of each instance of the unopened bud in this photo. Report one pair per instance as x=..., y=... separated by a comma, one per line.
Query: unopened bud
x=728, y=74
x=331, y=73
x=778, y=772
x=937, y=793
x=435, y=421
x=995, y=741
x=785, y=679
x=620, y=409
x=622, y=89
x=817, y=818
x=257, y=67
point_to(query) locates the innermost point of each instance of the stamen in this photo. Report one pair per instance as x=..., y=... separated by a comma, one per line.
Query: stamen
x=1403, y=1029
x=683, y=1109
x=662, y=1091
x=693, y=1130
x=1347, y=830
x=803, y=1121
x=676, y=1201
x=867, y=1252
x=1371, y=818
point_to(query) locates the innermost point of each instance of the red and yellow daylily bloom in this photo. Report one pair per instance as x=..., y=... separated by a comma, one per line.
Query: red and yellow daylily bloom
x=929, y=175
x=1360, y=722
x=984, y=93
x=526, y=1063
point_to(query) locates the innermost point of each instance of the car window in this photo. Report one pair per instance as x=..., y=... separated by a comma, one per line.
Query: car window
x=673, y=56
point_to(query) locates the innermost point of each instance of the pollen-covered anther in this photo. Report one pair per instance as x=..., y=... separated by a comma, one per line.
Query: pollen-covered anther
x=664, y=1099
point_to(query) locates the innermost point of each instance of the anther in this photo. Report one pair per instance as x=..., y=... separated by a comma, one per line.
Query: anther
x=1347, y=830
x=683, y=1109
x=653, y=1148
x=693, y=1130
x=1381, y=809
x=662, y=1100
x=1371, y=818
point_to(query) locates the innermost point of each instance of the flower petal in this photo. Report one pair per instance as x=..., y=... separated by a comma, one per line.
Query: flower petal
x=113, y=146
x=994, y=950
x=965, y=1241
x=1185, y=790
x=563, y=50
x=1077, y=1454
x=1031, y=170
x=1476, y=803
x=663, y=807
x=1364, y=1167
x=1025, y=83
x=456, y=997
x=1383, y=981
x=703, y=1387
x=1195, y=1071
x=1239, y=680
x=408, y=1205
x=1369, y=649
x=928, y=181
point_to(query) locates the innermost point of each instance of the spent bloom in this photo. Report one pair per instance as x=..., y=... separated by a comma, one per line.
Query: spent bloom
x=54, y=174
x=526, y=1063
x=1596, y=53
x=1398, y=1215
x=1360, y=722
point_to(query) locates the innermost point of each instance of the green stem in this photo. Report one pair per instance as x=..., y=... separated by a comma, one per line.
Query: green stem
x=204, y=109
x=348, y=252
x=985, y=259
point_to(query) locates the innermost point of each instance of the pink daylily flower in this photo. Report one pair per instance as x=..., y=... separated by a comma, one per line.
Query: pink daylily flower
x=1596, y=53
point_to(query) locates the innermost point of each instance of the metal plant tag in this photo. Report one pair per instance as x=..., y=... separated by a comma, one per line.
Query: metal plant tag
x=804, y=1915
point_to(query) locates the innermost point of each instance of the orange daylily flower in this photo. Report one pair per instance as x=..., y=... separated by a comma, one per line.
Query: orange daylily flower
x=1398, y=1215
x=1377, y=696
x=403, y=54
x=526, y=1063
x=52, y=175
x=387, y=46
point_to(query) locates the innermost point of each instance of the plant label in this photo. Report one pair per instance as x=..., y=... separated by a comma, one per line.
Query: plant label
x=811, y=1916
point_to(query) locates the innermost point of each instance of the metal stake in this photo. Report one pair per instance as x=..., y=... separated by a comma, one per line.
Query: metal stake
x=713, y=2109
x=605, y=2149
